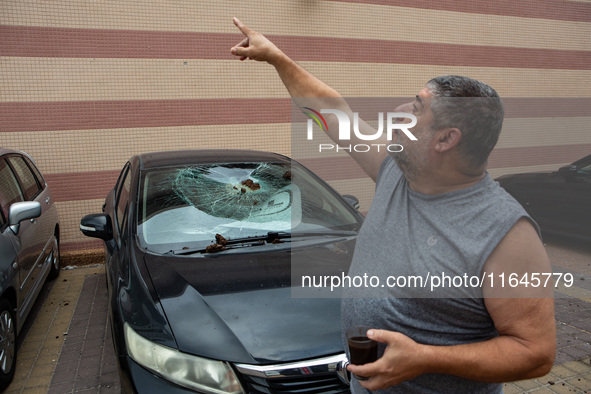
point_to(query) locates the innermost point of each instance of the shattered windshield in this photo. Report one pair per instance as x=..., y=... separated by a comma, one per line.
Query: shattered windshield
x=185, y=207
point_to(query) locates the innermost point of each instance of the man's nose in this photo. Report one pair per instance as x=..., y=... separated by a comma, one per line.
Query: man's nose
x=405, y=108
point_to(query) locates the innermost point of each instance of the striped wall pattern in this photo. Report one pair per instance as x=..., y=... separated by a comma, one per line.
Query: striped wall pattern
x=85, y=84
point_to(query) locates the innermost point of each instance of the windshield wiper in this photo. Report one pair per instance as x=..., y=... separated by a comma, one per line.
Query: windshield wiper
x=272, y=237
x=222, y=244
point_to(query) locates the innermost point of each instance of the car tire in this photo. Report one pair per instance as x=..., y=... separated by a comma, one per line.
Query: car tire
x=7, y=343
x=54, y=271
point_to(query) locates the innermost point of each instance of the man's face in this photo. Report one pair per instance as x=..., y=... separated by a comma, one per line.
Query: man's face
x=415, y=154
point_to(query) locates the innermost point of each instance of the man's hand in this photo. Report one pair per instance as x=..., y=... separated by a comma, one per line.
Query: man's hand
x=255, y=46
x=401, y=361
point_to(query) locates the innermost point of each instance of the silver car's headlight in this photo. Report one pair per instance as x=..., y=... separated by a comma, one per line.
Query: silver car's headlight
x=193, y=372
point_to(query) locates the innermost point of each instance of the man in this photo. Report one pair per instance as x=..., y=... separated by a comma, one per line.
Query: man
x=437, y=210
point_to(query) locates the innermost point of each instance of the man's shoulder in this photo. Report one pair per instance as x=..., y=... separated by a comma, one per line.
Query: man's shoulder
x=389, y=171
x=504, y=202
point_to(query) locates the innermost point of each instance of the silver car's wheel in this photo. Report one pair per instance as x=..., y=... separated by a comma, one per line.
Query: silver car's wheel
x=7, y=343
x=55, y=259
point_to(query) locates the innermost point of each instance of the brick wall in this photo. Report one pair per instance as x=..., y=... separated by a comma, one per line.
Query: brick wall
x=86, y=84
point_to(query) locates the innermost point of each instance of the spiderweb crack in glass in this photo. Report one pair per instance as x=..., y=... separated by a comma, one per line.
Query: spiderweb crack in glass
x=233, y=193
x=183, y=208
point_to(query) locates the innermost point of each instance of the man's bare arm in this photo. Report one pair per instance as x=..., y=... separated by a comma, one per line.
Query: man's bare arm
x=524, y=318
x=307, y=91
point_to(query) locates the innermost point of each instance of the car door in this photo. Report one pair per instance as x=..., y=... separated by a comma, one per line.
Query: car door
x=117, y=206
x=10, y=193
x=576, y=205
x=561, y=201
x=33, y=234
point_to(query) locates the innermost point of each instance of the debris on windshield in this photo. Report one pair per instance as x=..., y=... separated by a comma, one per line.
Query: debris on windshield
x=251, y=184
x=219, y=239
x=214, y=248
x=218, y=246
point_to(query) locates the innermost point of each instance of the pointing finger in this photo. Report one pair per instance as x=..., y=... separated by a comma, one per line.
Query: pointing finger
x=243, y=28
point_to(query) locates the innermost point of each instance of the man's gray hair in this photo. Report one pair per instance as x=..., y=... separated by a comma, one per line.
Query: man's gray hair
x=471, y=106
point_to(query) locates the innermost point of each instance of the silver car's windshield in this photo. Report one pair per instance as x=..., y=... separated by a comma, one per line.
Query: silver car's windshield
x=185, y=207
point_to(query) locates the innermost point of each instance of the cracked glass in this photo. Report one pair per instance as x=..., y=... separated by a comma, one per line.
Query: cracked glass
x=185, y=207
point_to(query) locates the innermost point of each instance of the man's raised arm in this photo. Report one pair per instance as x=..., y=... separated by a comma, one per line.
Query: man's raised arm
x=306, y=90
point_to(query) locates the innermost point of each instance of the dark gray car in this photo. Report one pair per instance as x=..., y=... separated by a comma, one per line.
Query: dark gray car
x=559, y=201
x=29, y=248
x=206, y=252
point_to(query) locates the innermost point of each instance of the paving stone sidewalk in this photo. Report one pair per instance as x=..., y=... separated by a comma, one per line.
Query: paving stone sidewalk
x=572, y=367
x=68, y=349
x=87, y=361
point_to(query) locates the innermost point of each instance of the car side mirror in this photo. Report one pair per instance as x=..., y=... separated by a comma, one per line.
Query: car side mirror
x=97, y=225
x=354, y=201
x=20, y=211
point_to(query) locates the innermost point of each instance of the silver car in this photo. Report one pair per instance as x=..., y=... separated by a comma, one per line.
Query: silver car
x=29, y=248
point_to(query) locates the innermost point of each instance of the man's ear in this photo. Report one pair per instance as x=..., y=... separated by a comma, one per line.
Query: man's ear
x=448, y=139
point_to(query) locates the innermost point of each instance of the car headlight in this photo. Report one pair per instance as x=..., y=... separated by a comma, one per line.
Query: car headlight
x=193, y=372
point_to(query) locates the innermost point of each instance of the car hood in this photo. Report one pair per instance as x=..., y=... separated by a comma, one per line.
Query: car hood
x=239, y=307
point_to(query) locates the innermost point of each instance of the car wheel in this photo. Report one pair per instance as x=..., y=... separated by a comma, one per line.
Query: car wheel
x=7, y=343
x=54, y=272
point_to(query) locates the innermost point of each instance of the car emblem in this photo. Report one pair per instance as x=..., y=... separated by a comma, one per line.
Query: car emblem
x=342, y=372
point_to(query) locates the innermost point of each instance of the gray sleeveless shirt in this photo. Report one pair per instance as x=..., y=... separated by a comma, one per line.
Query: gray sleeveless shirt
x=410, y=235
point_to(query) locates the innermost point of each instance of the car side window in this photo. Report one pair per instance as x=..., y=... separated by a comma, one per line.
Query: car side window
x=35, y=171
x=10, y=191
x=585, y=171
x=29, y=183
x=122, y=199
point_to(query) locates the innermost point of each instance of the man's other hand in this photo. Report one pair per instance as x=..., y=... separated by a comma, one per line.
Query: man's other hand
x=401, y=361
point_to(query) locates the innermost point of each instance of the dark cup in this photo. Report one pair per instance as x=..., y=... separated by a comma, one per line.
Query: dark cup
x=362, y=350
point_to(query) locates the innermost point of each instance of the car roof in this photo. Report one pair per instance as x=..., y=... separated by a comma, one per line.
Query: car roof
x=206, y=156
x=5, y=151
x=8, y=151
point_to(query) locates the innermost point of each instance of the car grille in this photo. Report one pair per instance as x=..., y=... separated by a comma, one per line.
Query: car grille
x=325, y=375
x=312, y=384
